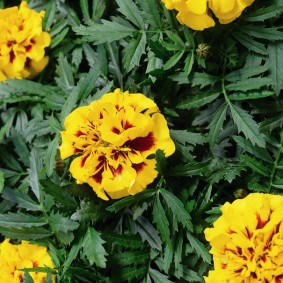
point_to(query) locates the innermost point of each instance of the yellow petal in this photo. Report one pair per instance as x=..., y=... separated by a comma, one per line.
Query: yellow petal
x=198, y=7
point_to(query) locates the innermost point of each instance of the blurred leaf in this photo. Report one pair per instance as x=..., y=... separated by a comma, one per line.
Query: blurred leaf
x=150, y=13
x=21, y=199
x=2, y=181
x=158, y=277
x=128, y=258
x=25, y=233
x=131, y=241
x=264, y=13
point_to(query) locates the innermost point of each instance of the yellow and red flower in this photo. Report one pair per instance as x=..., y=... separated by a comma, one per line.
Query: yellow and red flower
x=114, y=140
x=22, y=42
x=247, y=241
x=25, y=255
x=197, y=14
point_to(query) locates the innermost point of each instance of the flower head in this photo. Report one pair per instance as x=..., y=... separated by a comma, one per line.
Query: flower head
x=22, y=42
x=197, y=14
x=247, y=241
x=25, y=255
x=113, y=140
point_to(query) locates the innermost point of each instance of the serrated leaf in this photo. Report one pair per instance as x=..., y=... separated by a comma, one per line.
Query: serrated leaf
x=131, y=241
x=258, y=152
x=177, y=209
x=198, y=100
x=130, y=257
x=85, y=9
x=93, y=248
x=161, y=221
x=247, y=95
x=21, y=199
x=173, y=60
x=150, y=12
x=58, y=222
x=249, y=84
x=158, y=277
x=247, y=125
x=246, y=72
x=249, y=43
x=199, y=247
x=255, y=165
x=33, y=173
x=265, y=13
x=278, y=183
x=129, y=273
x=20, y=220
x=184, y=137
x=25, y=233
x=216, y=124
x=105, y=32
x=275, y=53
x=27, y=278
x=148, y=233
x=129, y=9
x=189, y=62
x=50, y=156
x=133, y=52
x=128, y=201
x=190, y=169
x=262, y=32
x=66, y=78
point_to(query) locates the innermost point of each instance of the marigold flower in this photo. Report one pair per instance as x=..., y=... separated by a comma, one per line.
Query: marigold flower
x=22, y=42
x=196, y=14
x=113, y=140
x=25, y=255
x=247, y=241
x=228, y=11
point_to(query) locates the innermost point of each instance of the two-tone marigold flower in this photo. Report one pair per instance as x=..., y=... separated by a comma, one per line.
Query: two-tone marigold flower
x=22, y=43
x=114, y=140
x=25, y=255
x=247, y=241
x=197, y=14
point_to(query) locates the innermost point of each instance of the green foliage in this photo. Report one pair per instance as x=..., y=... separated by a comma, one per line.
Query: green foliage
x=224, y=110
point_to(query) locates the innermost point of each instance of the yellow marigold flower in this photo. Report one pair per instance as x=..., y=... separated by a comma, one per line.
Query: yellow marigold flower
x=25, y=255
x=113, y=140
x=197, y=15
x=193, y=13
x=228, y=11
x=247, y=241
x=22, y=42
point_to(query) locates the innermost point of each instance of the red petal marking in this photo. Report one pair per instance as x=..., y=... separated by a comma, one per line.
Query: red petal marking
x=32, y=41
x=27, y=63
x=139, y=167
x=230, y=231
x=79, y=133
x=223, y=265
x=84, y=160
x=260, y=223
x=117, y=171
x=128, y=125
x=98, y=177
x=9, y=44
x=249, y=233
x=117, y=106
x=143, y=143
x=115, y=130
x=28, y=48
x=12, y=56
x=35, y=264
x=264, y=258
x=278, y=279
x=253, y=274
x=21, y=278
x=76, y=150
x=100, y=115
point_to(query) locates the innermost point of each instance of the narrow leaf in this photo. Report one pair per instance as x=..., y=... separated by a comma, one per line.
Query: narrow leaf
x=199, y=247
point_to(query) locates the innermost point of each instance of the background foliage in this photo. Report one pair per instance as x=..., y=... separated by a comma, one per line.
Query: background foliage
x=221, y=93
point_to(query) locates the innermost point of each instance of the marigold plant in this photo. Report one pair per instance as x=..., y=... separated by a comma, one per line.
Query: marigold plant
x=113, y=139
x=197, y=14
x=22, y=42
x=247, y=241
x=14, y=258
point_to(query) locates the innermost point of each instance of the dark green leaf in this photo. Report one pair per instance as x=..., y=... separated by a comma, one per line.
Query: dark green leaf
x=158, y=277
x=247, y=125
x=128, y=258
x=105, y=32
x=199, y=247
x=178, y=209
x=58, y=222
x=248, y=84
x=262, y=32
x=198, y=100
x=184, y=137
x=25, y=233
x=255, y=165
x=93, y=248
x=2, y=181
x=265, y=13
x=50, y=156
x=20, y=220
x=250, y=95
